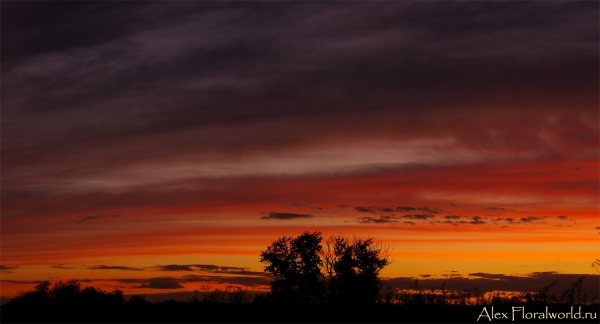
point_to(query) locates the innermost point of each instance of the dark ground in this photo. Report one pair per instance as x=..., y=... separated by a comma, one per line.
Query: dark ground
x=182, y=312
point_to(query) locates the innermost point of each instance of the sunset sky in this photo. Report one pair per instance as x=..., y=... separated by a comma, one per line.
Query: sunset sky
x=158, y=147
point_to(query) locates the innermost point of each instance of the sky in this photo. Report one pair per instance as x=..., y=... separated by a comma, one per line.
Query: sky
x=159, y=147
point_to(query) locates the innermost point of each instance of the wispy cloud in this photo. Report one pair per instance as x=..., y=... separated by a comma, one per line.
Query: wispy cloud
x=60, y=266
x=83, y=219
x=392, y=209
x=276, y=215
x=117, y=267
x=498, y=209
x=531, y=219
x=379, y=220
x=203, y=267
x=418, y=216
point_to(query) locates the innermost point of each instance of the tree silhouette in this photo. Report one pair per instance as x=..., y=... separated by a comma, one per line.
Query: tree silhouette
x=351, y=269
x=296, y=266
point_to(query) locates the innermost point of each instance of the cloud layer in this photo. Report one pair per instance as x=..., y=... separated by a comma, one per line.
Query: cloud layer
x=188, y=132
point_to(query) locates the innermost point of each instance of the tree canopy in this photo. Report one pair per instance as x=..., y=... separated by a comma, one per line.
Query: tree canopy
x=344, y=271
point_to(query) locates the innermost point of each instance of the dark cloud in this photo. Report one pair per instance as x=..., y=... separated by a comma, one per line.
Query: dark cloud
x=175, y=282
x=242, y=272
x=4, y=268
x=161, y=283
x=391, y=209
x=418, y=216
x=207, y=77
x=497, y=208
x=204, y=267
x=362, y=209
x=507, y=219
x=530, y=219
x=456, y=220
x=275, y=215
x=409, y=223
x=404, y=209
x=248, y=281
x=563, y=217
x=381, y=219
x=453, y=216
x=175, y=267
x=83, y=219
x=487, y=282
x=453, y=204
x=60, y=266
x=430, y=210
x=489, y=276
x=301, y=205
x=33, y=282
x=106, y=267
x=476, y=220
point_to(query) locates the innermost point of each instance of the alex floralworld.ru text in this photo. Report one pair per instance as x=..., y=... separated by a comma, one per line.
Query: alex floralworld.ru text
x=519, y=313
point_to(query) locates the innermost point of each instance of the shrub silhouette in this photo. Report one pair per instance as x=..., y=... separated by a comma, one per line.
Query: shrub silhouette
x=346, y=271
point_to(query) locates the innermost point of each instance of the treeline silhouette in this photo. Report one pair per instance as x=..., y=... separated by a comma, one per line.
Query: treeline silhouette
x=68, y=302
x=312, y=282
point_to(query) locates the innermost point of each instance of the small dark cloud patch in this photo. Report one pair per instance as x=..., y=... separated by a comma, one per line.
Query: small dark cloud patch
x=275, y=215
x=493, y=276
x=301, y=205
x=33, y=282
x=508, y=219
x=405, y=209
x=456, y=220
x=361, y=209
x=430, y=210
x=60, y=266
x=425, y=275
x=106, y=267
x=5, y=268
x=244, y=272
x=392, y=209
x=497, y=208
x=236, y=280
x=597, y=227
x=162, y=283
x=204, y=267
x=563, y=217
x=531, y=219
x=409, y=223
x=377, y=220
x=452, y=216
x=418, y=216
x=83, y=219
x=454, y=204
x=175, y=267
x=476, y=220
x=342, y=206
